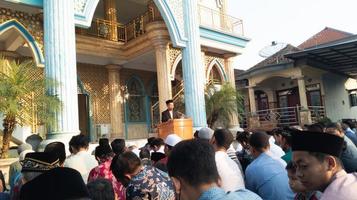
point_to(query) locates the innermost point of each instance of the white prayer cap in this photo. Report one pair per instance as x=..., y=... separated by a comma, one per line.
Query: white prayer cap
x=172, y=139
x=205, y=133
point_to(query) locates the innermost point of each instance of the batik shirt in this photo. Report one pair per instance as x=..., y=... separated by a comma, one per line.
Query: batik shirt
x=103, y=171
x=150, y=184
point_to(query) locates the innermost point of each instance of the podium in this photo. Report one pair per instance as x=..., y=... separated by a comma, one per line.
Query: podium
x=181, y=127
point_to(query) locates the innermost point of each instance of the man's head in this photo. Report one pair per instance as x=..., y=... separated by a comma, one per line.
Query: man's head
x=317, y=127
x=118, y=146
x=101, y=189
x=125, y=166
x=156, y=144
x=34, y=140
x=58, y=149
x=191, y=166
x=222, y=139
x=316, y=158
x=170, y=141
x=170, y=104
x=283, y=137
x=335, y=129
x=205, y=133
x=243, y=139
x=23, y=147
x=259, y=143
x=294, y=183
x=144, y=154
x=78, y=143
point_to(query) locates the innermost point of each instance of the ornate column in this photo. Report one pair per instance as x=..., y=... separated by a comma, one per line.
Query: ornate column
x=228, y=63
x=110, y=11
x=159, y=37
x=116, y=102
x=304, y=113
x=193, y=71
x=60, y=56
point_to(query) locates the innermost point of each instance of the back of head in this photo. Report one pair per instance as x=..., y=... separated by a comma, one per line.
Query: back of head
x=126, y=163
x=317, y=127
x=101, y=189
x=79, y=141
x=194, y=162
x=259, y=141
x=144, y=153
x=118, y=146
x=58, y=149
x=243, y=137
x=223, y=138
x=157, y=142
x=103, y=151
x=56, y=184
x=205, y=133
x=34, y=140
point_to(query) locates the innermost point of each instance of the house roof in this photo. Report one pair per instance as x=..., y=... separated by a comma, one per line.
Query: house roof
x=326, y=35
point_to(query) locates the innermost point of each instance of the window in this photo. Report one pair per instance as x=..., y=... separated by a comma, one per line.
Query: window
x=353, y=97
x=136, y=101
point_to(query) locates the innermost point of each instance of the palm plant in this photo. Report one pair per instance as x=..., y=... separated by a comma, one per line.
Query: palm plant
x=21, y=95
x=221, y=104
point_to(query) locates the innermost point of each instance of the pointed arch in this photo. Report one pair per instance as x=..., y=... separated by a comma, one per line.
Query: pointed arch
x=174, y=66
x=215, y=63
x=35, y=49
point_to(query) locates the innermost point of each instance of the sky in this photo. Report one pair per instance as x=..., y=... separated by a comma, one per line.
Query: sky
x=288, y=21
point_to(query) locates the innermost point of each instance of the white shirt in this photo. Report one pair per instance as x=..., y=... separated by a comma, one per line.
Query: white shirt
x=171, y=114
x=275, y=149
x=228, y=170
x=83, y=162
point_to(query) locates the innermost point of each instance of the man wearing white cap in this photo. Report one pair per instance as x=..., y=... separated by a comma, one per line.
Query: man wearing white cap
x=170, y=141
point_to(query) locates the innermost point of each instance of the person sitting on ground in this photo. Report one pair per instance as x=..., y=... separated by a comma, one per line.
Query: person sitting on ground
x=34, y=165
x=158, y=148
x=265, y=175
x=349, y=133
x=283, y=139
x=80, y=159
x=297, y=187
x=170, y=141
x=349, y=150
x=118, y=146
x=104, y=156
x=192, y=168
x=144, y=155
x=228, y=170
x=15, y=167
x=60, y=183
x=58, y=149
x=244, y=156
x=319, y=168
x=141, y=181
x=101, y=189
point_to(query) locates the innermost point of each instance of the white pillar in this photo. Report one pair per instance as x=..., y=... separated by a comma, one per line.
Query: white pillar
x=159, y=36
x=302, y=92
x=193, y=71
x=60, y=65
x=116, y=102
x=253, y=108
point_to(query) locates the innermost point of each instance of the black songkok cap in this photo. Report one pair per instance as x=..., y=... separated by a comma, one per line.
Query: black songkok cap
x=317, y=142
x=39, y=162
x=57, y=184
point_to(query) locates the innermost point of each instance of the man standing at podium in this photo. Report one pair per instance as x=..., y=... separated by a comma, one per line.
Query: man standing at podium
x=169, y=113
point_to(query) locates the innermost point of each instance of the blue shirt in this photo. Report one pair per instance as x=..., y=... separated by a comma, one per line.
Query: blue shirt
x=349, y=156
x=216, y=193
x=350, y=134
x=268, y=178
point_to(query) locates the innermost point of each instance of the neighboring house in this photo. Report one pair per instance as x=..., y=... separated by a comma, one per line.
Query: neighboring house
x=301, y=85
x=127, y=63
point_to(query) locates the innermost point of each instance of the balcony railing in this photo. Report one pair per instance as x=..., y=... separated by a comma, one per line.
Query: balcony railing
x=120, y=32
x=217, y=20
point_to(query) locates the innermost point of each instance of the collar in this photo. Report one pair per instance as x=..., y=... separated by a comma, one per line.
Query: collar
x=212, y=193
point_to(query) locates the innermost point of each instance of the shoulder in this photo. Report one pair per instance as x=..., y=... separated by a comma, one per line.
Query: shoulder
x=244, y=194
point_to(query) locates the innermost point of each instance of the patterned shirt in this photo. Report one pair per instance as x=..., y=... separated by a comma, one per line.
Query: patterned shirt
x=150, y=184
x=103, y=171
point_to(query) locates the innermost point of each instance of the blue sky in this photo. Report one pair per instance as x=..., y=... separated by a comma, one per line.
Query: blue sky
x=288, y=21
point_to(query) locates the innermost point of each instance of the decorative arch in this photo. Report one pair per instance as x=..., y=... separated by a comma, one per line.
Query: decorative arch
x=172, y=22
x=174, y=66
x=138, y=79
x=36, y=51
x=222, y=73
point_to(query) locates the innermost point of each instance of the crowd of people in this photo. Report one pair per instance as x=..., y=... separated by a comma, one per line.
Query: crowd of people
x=290, y=163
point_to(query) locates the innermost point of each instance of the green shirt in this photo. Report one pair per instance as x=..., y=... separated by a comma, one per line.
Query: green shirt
x=287, y=157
